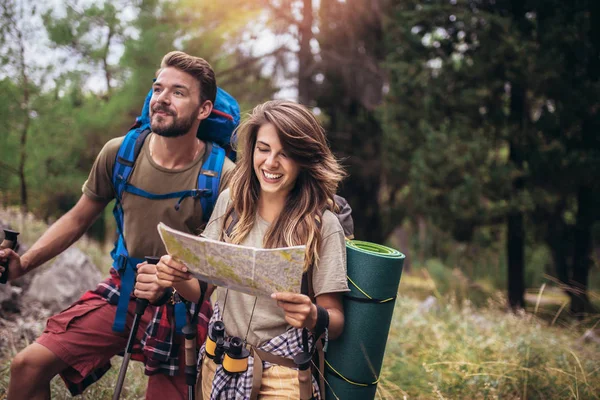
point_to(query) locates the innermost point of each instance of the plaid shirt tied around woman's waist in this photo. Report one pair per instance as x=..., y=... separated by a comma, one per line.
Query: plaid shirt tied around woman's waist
x=239, y=386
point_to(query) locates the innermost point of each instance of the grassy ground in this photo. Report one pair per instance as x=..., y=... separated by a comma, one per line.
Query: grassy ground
x=449, y=352
x=478, y=353
x=465, y=346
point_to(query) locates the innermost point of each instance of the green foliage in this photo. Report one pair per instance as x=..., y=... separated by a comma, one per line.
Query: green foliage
x=491, y=112
x=444, y=117
x=69, y=124
x=89, y=33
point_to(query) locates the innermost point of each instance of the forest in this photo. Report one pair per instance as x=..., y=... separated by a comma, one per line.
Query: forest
x=470, y=130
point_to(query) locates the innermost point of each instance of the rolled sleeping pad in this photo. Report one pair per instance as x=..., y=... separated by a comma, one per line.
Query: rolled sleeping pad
x=353, y=361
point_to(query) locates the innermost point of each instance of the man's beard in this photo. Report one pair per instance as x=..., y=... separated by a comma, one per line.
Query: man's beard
x=178, y=127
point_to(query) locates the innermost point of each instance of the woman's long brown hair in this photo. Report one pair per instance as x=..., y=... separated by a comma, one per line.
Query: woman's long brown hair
x=303, y=140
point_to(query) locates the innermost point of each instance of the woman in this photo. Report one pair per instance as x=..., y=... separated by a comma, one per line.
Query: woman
x=280, y=195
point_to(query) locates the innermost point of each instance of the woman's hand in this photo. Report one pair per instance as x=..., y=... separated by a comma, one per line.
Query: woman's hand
x=169, y=272
x=300, y=312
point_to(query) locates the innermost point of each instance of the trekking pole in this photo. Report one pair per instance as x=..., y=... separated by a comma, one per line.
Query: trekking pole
x=140, y=307
x=302, y=360
x=9, y=242
x=191, y=331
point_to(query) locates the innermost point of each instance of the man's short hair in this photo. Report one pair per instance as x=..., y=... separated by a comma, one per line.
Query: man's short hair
x=198, y=67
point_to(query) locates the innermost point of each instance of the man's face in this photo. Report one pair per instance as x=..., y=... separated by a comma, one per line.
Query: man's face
x=175, y=103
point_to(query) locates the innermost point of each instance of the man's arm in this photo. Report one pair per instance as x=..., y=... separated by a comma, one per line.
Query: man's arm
x=62, y=234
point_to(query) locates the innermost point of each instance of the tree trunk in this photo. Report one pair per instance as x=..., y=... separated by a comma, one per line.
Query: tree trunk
x=305, y=54
x=26, y=122
x=516, y=261
x=580, y=302
x=354, y=131
x=362, y=190
x=515, y=241
x=106, y=66
x=558, y=239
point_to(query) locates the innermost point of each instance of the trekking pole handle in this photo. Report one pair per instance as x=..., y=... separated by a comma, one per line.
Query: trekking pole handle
x=141, y=304
x=9, y=242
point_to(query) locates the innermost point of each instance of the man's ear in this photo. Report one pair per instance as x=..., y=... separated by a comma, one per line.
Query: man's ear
x=205, y=110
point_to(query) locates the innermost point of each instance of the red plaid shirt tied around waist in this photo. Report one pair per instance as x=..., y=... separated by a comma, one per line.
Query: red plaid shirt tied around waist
x=159, y=347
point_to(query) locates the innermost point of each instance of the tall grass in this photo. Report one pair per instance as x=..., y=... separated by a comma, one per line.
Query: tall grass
x=460, y=352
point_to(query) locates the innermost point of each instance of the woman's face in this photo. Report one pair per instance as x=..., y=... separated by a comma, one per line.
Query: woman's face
x=276, y=172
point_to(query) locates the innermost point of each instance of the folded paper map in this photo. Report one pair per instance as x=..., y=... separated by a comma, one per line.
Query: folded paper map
x=258, y=272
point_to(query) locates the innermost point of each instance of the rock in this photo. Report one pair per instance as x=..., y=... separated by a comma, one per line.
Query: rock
x=22, y=328
x=590, y=336
x=69, y=276
x=5, y=293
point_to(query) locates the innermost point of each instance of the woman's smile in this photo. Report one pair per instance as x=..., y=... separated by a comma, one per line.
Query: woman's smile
x=276, y=172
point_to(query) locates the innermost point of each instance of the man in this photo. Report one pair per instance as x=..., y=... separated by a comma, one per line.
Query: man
x=79, y=342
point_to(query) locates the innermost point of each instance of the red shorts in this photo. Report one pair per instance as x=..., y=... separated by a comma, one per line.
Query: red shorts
x=82, y=337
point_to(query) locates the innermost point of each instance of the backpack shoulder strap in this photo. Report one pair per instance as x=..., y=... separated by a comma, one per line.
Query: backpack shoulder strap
x=126, y=156
x=210, y=177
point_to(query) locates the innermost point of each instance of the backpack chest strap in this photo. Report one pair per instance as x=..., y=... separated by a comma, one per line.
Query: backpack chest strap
x=182, y=194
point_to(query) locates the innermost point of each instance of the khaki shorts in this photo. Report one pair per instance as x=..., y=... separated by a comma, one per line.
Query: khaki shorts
x=277, y=382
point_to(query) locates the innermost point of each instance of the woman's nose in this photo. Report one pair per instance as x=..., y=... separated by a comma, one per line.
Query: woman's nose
x=271, y=160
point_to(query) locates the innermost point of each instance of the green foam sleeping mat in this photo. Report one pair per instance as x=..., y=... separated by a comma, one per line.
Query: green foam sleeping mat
x=353, y=361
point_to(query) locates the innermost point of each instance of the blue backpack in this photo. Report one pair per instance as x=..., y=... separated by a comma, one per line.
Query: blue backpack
x=216, y=131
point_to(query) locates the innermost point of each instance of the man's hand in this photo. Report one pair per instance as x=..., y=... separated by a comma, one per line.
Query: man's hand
x=300, y=312
x=146, y=283
x=15, y=267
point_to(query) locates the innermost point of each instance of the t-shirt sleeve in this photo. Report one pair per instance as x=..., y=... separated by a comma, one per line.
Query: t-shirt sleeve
x=99, y=186
x=215, y=223
x=329, y=275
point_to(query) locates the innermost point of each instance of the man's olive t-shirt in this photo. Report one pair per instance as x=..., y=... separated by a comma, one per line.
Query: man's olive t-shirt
x=268, y=321
x=142, y=215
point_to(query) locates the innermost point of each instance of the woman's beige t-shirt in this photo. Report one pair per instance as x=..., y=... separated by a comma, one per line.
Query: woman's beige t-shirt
x=268, y=321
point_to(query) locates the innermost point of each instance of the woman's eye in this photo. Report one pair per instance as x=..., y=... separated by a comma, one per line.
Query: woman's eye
x=284, y=155
x=263, y=150
x=156, y=90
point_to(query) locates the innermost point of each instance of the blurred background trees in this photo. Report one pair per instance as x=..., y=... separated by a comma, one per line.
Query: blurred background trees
x=469, y=127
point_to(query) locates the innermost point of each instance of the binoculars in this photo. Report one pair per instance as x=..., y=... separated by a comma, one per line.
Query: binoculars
x=9, y=242
x=228, y=351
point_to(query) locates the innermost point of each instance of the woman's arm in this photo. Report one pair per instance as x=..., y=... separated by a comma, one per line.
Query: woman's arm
x=332, y=302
